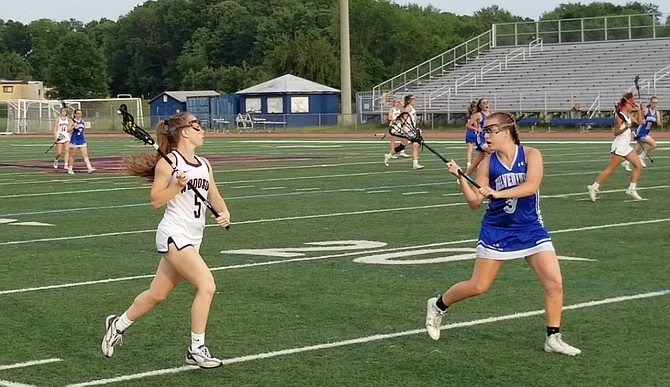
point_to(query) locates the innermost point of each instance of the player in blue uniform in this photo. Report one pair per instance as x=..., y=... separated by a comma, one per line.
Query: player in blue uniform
x=652, y=117
x=470, y=134
x=476, y=123
x=511, y=228
x=77, y=141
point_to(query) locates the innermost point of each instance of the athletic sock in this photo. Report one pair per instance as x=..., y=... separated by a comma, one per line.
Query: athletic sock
x=643, y=156
x=632, y=186
x=596, y=185
x=123, y=322
x=440, y=304
x=197, y=340
x=553, y=330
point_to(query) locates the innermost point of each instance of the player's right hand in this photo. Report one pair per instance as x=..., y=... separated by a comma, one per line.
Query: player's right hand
x=182, y=179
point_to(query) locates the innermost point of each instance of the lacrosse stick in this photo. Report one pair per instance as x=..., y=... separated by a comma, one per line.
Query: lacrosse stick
x=404, y=127
x=636, y=80
x=130, y=127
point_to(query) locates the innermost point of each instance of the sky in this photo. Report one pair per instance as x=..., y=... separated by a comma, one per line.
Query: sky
x=26, y=11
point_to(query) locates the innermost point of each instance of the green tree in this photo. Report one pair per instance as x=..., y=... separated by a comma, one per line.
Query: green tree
x=78, y=69
x=13, y=66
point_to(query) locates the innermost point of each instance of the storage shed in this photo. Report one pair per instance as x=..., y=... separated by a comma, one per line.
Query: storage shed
x=291, y=99
x=168, y=103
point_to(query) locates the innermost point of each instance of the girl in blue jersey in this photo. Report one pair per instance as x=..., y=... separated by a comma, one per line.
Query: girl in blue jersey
x=179, y=233
x=77, y=141
x=476, y=123
x=652, y=117
x=511, y=228
x=470, y=134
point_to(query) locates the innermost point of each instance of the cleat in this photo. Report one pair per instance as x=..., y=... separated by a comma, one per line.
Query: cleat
x=91, y=170
x=70, y=171
x=555, y=344
x=55, y=164
x=592, y=192
x=112, y=337
x=633, y=193
x=417, y=166
x=403, y=154
x=433, y=319
x=202, y=358
x=644, y=165
x=387, y=157
x=626, y=165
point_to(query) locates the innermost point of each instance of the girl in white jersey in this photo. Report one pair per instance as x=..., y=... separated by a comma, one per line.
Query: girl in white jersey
x=179, y=234
x=62, y=128
x=630, y=113
x=409, y=108
x=392, y=114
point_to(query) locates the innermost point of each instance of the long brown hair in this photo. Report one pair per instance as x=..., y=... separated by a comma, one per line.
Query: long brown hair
x=168, y=133
x=507, y=121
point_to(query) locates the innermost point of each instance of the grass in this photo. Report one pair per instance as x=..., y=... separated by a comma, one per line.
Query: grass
x=285, y=193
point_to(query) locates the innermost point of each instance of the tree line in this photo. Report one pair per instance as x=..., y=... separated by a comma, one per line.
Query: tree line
x=228, y=45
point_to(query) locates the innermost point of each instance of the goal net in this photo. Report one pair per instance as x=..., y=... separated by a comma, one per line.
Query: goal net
x=100, y=115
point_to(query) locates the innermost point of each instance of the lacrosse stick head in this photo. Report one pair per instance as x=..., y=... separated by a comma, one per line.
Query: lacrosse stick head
x=129, y=126
x=404, y=127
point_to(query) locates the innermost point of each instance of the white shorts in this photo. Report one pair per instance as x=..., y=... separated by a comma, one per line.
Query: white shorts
x=621, y=147
x=63, y=138
x=77, y=145
x=164, y=237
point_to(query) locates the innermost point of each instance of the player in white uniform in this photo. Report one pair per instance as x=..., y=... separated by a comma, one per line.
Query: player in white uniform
x=61, y=130
x=630, y=113
x=392, y=114
x=410, y=100
x=179, y=233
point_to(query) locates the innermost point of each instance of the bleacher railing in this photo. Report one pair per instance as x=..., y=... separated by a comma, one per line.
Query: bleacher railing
x=432, y=68
x=591, y=29
x=660, y=74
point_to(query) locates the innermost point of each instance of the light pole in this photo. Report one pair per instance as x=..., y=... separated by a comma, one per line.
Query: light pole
x=345, y=63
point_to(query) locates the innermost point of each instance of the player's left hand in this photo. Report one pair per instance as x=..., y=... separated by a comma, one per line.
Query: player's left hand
x=224, y=219
x=489, y=192
x=453, y=168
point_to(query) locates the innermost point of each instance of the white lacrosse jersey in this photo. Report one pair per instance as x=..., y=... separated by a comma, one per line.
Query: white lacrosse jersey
x=621, y=144
x=62, y=134
x=184, y=218
x=412, y=114
x=395, y=113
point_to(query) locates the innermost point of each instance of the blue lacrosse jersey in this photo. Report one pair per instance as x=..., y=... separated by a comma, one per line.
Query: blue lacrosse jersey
x=481, y=140
x=514, y=213
x=649, y=121
x=77, y=137
x=470, y=134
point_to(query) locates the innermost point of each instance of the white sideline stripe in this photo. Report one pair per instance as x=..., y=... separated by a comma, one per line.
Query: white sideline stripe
x=369, y=339
x=29, y=363
x=237, y=223
x=307, y=259
x=7, y=383
x=378, y=191
x=415, y=193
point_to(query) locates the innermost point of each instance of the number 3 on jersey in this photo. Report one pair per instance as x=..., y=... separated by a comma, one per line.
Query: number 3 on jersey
x=510, y=205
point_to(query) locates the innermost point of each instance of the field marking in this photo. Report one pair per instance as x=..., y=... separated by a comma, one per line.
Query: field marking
x=307, y=259
x=369, y=339
x=7, y=383
x=415, y=193
x=29, y=363
x=378, y=191
x=271, y=188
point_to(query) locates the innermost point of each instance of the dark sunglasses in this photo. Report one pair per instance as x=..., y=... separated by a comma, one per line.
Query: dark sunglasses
x=195, y=124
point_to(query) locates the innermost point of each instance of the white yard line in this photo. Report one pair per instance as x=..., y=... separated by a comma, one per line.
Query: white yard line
x=29, y=363
x=368, y=339
x=307, y=259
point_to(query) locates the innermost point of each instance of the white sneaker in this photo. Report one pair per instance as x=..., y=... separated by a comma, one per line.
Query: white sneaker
x=394, y=157
x=202, y=358
x=592, y=192
x=555, y=344
x=112, y=337
x=644, y=165
x=90, y=170
x=55, y=163
x=626, y=165
x=403, y=154
x=387, y=157
x=417, y=166
x=633, y=193
x=70, y=171
x=433, y=318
